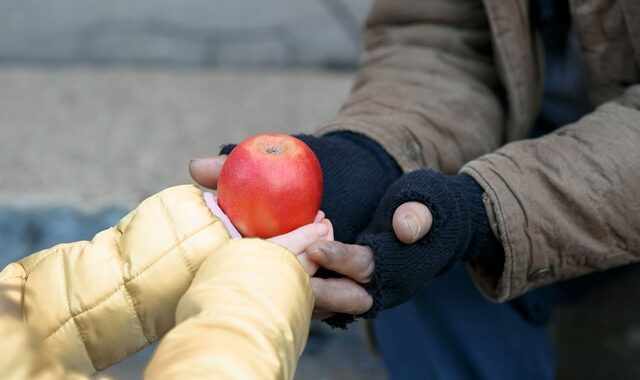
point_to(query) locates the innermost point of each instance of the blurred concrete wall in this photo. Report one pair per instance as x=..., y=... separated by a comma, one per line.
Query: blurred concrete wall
x=187, y=32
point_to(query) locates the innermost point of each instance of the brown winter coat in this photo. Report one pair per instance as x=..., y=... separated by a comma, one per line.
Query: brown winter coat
x=446, y=84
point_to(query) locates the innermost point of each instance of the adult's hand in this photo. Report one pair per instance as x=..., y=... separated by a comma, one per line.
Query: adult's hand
x=338, y=299
x=341, y=294
x=205, y=171
x=458, y=230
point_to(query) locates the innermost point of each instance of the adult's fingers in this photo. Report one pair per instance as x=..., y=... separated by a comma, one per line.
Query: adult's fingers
x=310, y=266
x=205, y=171
x=320, y=314
x=340, y=295
x=411, y=222
x=353, y=261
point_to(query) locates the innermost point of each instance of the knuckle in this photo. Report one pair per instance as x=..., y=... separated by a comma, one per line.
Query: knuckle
x=319, y=289
x=329, y=252
x=317, y=254
x=367, y=303
x=367, y=271
x=354, y=299
x=361, y=303
x=308, y=237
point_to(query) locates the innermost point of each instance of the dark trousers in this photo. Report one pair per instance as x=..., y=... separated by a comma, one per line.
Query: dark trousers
x=450, y=331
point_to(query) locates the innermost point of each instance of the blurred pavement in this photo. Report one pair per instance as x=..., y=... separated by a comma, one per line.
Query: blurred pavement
x=94, y=138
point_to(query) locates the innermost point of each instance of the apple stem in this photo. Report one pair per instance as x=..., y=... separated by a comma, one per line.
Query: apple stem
x=273, y=150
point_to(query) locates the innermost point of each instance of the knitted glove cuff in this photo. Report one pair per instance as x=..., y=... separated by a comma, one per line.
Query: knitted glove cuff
x=227, y=148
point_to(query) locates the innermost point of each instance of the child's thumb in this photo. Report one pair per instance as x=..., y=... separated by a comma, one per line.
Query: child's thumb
x=298, y=240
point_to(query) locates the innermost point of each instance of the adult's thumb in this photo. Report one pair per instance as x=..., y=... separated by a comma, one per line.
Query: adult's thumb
x=411, y=222
x=205, y=171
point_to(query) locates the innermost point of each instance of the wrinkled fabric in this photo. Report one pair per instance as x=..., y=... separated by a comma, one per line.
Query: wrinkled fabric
x=245, y=316
x=444, y=84
x=78, y=308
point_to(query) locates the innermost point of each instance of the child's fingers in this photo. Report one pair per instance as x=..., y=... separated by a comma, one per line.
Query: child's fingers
x=327, y=222
x=319, y=216
x=298, y=240
x=212, y=203
x=309, y=266
x=321, y=315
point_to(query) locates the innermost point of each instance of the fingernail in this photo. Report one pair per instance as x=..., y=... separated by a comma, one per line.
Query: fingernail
x=322, y=229
x=412, y=224
x=195, y=162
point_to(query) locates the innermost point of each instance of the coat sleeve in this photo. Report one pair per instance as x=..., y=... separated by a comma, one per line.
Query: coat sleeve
x=94, y=303
x=22, y=357
x=245, y=316
x=427, y=88
x=566, y=204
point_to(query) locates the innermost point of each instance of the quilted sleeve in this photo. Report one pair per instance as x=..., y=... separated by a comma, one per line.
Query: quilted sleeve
x=95, y=303
x=245, y=316
x=22, y=358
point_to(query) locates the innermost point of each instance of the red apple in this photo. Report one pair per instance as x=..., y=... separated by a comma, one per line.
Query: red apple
x=269, y=185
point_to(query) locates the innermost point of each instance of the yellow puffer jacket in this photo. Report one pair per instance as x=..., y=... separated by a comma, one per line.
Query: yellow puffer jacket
x=241, y=308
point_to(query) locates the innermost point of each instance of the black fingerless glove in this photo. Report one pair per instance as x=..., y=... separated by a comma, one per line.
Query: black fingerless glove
x=460, y=232
x=356, y=173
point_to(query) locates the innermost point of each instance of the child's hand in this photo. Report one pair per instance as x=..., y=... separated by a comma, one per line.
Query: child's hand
x=212, y=203
x=299, y=240
x=296, y=241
